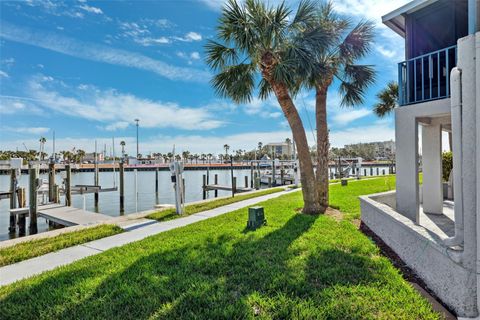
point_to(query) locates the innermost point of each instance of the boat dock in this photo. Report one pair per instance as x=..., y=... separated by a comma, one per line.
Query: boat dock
x=212, y=187
x=63, y=215
x=70, y=216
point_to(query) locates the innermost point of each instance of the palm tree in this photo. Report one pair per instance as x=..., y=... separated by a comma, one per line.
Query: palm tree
x=337, y=60
x=42, y=147
x=122, y=144
x=387, y=100
x=226, y=147
x=81, y=155
x=270, y=44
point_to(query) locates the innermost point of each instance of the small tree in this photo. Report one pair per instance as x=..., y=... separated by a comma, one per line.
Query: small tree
x=277, y=47
x=387, y=100
x=337, y=60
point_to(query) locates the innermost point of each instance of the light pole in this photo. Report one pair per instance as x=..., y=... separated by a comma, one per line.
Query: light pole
x=136, y=121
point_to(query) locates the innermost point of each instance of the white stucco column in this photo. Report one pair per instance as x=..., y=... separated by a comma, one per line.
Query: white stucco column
x=432, y=168
x=406, y=139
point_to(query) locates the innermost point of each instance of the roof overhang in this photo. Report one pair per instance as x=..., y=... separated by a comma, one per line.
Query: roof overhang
x=395, y=20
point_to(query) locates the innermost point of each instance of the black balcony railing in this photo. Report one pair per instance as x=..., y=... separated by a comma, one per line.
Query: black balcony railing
x=426, y=77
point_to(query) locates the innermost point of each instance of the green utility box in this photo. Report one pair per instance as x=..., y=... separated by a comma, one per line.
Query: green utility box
x=256, y=217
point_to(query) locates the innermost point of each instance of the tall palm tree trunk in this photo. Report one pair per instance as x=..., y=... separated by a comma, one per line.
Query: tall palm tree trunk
x=311, y=204
x=323, y=146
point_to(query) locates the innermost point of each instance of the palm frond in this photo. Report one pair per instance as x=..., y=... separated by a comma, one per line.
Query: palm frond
x=264, y=89
x=360, y=75
x=387, y=100
x=357, y=43
x=219, y=55
x=235, y=82
x=351, y=94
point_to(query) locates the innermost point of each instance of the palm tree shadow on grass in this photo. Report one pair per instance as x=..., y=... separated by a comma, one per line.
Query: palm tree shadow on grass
x=214, y=279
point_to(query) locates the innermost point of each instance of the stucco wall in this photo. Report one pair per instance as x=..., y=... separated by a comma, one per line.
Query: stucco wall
x=423, y=251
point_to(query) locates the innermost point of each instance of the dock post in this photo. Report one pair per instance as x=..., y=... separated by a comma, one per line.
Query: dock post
x=246, y=182
x=216, y=183
x=96, y=184
x=33, y=200
x=183, y=188
x=234, y=186
x=269, y=182
x=13, y=202
x=208, y=174
x=51, y=182
x=256, y=183
x=365, y=172
x=68, y=186
x=383, y=171
x=371, y=171
x=282, y=177
x=122, y=187
x=56, y=192
x=274, y=177
x=251, y=175
x=204, y=187
x=378, y=171
x=234, y=180
x=21, y=204
x=156, y=180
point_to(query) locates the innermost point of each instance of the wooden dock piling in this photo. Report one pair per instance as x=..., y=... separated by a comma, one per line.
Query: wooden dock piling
x=234, y=186
x=122, y=187
x=22, y=203
x=56, y=192
x=269, y=182
x=251, y=175
x=33, y=200
x=51, y=182
x=204, y=187
x=68, y=186
x=156, y=181
x=13, y=202
x=96, y=174
x=216, y=182
x=246, y=182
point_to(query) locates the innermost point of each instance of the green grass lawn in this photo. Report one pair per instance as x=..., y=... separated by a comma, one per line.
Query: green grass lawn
x=346, y=198
x=35, y=248
x=296, y=267
x=208, y=205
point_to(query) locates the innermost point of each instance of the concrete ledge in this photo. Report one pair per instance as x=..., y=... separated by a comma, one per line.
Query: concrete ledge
x=424, y=252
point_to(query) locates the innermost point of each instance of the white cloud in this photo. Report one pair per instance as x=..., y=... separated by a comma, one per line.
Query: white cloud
x=120, y=125
x=345, y=116
x=193, y=36
x=3, y=74
x=91, y=9
x=214, y=144
x=189, y=37
x=339, y=138
x=195, y=55
x=118, y=109
x=99, y=53
x=372, y=10
x=27, y=130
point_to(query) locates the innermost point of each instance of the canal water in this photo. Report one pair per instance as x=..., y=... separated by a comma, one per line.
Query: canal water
x=136, y=199
x=144, y=199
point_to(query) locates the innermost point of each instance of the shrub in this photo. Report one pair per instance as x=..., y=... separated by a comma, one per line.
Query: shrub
x=447, y=164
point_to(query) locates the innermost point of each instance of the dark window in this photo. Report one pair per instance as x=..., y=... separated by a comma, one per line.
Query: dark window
x=436, y=27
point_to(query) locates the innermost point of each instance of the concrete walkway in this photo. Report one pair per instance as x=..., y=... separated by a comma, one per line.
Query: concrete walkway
x=134, y=232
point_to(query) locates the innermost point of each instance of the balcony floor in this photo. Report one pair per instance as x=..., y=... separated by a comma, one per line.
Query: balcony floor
x=442, y=225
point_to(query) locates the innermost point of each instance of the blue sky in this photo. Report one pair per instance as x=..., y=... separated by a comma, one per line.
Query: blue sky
x=87, y=69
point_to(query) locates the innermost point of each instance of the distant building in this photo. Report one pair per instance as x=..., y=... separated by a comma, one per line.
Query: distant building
x=382, y=150
x=280, y=149
x=90, y=157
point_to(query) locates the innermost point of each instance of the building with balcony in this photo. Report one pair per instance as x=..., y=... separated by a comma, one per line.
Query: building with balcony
x=439, y=85
x=281, y=149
